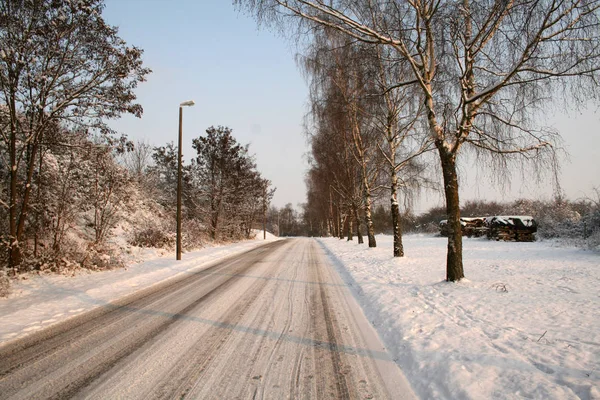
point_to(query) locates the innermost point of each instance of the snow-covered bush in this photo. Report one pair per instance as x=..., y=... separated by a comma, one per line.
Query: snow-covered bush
x=195, y=235
x=591, y=227
x=557, y=218
x=101, y=256
x=593, y=241
x=153, y=235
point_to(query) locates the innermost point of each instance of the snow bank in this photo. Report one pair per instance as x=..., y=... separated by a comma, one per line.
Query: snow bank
x=259, y=235
x=38, y=301
x=526, y=323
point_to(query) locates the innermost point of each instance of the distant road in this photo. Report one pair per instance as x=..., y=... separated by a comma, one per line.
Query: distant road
x=275, y=322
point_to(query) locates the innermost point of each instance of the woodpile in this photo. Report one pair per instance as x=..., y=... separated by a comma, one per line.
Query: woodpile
x=508, y=228
x=512, y=228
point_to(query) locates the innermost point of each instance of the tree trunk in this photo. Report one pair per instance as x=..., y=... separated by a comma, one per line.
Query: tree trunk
x=349, y=220
x=357, y=221
x=264, y=217
x=397, y=229
x=15, y=253
x=369, y=219
x=38, y=201
x=330, y=224
x=334, y=224
x=454, y=265
x=214, y=226
x=358, y=145
x=215, y=214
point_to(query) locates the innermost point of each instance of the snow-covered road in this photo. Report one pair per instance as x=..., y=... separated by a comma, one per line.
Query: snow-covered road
x=274, y=322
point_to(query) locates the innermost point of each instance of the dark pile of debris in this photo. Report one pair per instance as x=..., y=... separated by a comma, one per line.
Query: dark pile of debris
x=514, y=228
x=470, y=227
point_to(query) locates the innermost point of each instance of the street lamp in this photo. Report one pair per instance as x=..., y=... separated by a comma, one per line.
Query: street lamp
x=184, y=104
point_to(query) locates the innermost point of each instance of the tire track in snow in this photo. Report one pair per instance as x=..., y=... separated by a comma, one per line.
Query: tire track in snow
x=181, y=381
x=44, y=343
x=28, y=363
x=272, y=323
x=260, y=392
x=331, y=331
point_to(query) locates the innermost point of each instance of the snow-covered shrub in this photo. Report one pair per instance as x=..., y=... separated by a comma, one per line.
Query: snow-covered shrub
x=591, y=226
x=76, y=252
x=427, y=222
x=194, y=235
x=557, y=218
x=153, y=235
x=101, y=257
x=593, y=241
x=106, y=192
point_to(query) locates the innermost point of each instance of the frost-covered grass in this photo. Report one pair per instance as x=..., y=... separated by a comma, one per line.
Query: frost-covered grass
x=524, y=324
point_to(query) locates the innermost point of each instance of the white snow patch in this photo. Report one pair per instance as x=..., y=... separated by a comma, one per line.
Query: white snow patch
x=259, y=235
x=526, y=323
x=510, y=219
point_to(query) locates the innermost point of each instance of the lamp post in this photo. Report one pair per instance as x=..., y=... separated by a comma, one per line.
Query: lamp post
x=184, y=104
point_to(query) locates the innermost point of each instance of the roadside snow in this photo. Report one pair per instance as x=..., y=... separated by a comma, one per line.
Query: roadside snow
x=526, y=323
x=38, y=301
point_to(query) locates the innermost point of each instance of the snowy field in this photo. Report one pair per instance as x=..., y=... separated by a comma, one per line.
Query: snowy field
x=525, y=324
x=38, y=301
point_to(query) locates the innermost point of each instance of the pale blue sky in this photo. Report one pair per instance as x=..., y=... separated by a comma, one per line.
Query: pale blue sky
x=246, y=78
x=238, y=76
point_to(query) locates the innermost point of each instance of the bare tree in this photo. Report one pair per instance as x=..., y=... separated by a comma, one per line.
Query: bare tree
x=332, y=155
x=318, y=209
x=398, y=118
x=107, y=191
x=484, y=69
x=353, y=82
x=138, y=160
x=267, y=194
x=338, y=85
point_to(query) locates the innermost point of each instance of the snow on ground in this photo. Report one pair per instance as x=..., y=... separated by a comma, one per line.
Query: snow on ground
x=42, y=300
x=526, y=323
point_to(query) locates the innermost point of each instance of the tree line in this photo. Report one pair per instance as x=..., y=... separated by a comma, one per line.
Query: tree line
x=573, y=221
x=402, y=92
x=68, y=179
x=222, y=189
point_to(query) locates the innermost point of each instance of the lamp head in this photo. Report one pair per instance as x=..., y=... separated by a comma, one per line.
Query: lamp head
x=188, y=103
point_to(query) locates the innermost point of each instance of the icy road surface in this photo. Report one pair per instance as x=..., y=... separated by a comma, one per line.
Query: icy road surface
x=274, y=322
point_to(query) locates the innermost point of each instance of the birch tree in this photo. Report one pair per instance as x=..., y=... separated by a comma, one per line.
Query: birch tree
x=332, y=154
x=398, y=120
x=381, y=122
x=484, y=69
x=338, y=85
